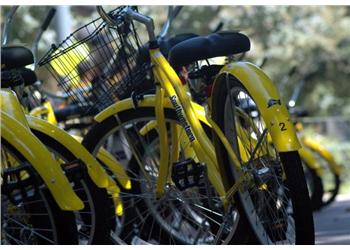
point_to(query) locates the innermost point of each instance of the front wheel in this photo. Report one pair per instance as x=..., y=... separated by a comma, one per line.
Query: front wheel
x=274, y=206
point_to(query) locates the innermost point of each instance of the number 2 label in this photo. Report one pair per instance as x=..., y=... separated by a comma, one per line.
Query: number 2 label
x=283, y=126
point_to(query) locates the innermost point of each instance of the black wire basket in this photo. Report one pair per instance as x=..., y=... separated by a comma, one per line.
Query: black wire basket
x=97, y=64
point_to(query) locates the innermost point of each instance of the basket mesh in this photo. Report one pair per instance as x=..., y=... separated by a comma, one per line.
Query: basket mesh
x=96, y=65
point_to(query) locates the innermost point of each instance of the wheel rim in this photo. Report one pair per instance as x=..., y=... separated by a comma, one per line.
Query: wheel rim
x=21, y=222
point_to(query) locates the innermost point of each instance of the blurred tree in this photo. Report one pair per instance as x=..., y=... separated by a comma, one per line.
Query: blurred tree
x=315, y=38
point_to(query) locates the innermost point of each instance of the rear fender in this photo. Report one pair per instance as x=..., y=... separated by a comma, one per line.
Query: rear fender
x=42, y=161
x=95, y=170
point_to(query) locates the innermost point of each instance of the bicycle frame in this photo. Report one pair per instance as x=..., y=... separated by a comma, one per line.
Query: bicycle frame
x=14, y=129
x=171, y=94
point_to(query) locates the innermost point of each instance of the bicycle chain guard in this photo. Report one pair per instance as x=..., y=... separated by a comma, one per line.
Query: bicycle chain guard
x=187, y=173
x=20, y=183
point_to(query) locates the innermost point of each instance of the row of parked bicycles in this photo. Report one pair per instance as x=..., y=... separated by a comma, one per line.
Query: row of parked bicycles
x=172, y=146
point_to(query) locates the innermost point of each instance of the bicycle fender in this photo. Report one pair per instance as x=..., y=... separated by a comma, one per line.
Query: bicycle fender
x=113, y=164
x=117, y=169
x=317, y=147
x=95, y=170
x=307, y=156
x=11, y=106
x=148, y=101
x=268, y=100
x=41, y=159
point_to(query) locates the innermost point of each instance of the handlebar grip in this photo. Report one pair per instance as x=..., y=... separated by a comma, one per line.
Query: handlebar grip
x=48, y=19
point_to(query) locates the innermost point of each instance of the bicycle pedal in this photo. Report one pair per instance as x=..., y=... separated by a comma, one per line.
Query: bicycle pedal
x=187, y=173
x=20, y=183
x=74, y=170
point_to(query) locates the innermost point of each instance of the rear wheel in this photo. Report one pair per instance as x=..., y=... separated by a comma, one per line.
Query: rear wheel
x=94, y=221
x=33, y=218
x=274, y=206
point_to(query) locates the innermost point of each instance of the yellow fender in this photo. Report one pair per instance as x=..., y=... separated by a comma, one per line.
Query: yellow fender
x=12, y=107
x=117, y=169
x=308, y=157
x=18, y=136
x=268, y=100
x=95, y=170
x=324, y=153
x=112, y=164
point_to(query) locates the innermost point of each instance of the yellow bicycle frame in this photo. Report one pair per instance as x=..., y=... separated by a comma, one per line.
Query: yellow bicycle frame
x=189, y=113
x=15, y=131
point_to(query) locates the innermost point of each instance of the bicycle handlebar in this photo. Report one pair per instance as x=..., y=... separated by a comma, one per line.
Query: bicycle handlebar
x=172, y=13
x=130, y=13
x=48, y=19
x=7, y=24
x=43, y=27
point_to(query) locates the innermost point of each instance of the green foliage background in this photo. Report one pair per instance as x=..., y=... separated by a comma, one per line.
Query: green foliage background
x=314, y=38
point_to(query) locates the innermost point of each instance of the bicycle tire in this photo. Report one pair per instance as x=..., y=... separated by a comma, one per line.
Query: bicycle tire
x=96, y=198
x=295, y=187
x=334, y=191
x=92, y=142
x=61, y=222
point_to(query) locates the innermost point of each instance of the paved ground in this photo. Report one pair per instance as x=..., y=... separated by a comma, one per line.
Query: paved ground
x=333, y=223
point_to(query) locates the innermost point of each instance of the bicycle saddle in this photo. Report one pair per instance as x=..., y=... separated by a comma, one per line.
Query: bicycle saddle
x=204, y=47
x=15, y=77
x=15, y=57
x=165, y=46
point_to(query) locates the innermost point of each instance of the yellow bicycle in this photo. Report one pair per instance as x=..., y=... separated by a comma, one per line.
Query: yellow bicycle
x=197, y=177
x=20, y=144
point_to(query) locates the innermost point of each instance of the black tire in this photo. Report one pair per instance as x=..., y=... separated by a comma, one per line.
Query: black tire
x=94, y=198
x=92, y=141
x=315, y=186
x=334, y=191
x=62, y=223
x=288, y=162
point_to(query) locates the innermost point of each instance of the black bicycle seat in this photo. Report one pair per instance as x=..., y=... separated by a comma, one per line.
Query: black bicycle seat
x=15, y=57
x=165, y=46
x=15, y=77
x=205, y=47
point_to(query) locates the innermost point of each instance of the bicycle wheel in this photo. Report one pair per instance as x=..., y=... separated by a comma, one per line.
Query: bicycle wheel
x=194, y=215
x=29, y=213
x=95, y=220
x=274, y=207
x=331, y=183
